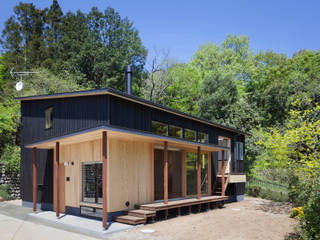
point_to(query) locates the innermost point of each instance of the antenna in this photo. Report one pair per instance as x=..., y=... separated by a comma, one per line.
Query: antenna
x=19, y=85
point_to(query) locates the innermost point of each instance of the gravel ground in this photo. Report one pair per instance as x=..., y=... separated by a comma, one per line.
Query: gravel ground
x=252, y=218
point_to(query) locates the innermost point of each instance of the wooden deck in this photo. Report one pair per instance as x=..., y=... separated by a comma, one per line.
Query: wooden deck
x=147, y=211
x=181, y=203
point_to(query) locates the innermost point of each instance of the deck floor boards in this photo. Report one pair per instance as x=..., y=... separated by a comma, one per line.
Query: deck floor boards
x=181, y=203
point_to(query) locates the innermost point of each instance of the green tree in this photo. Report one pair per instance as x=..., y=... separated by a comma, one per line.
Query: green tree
x=53, y=31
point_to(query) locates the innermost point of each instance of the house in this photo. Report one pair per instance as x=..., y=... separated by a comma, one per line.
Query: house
x=99, y=153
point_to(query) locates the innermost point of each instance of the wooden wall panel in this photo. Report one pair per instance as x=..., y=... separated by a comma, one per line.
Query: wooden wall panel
x=129, y=174
x=77, y=154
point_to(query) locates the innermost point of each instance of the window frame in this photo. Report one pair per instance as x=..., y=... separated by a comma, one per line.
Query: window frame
x=165, y=124
x=48, y=125
x=239, y=151
x=82, y=182
x=175, y=126
x=184, y=134
x=207, y=141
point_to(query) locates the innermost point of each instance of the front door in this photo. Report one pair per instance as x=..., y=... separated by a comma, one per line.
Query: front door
x=174, y=174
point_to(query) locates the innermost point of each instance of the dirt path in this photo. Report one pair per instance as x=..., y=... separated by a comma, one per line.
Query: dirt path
x=252, y=218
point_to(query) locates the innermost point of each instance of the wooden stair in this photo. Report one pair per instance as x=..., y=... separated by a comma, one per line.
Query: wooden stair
x=217, y=188
x=136, y=216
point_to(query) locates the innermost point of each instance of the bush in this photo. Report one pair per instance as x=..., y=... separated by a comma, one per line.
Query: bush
x=253, y=191
x=4, y=192
x=297, y=212
x=265, y=193
x=11, y=159
x=310, y=220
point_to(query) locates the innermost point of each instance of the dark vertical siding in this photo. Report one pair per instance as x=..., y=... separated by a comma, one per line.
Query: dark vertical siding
x=70, y=115
x=44, y=175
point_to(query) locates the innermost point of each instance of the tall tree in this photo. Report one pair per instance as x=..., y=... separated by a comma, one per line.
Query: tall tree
x=53, y=30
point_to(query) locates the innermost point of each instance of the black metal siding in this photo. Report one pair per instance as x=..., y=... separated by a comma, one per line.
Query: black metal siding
x=70, y=115
x=44, y=175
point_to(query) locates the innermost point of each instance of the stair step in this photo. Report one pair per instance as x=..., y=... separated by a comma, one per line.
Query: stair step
x=142, y=213
x=132, y=220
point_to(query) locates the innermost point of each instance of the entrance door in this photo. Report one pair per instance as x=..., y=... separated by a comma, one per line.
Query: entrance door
x=174, y=174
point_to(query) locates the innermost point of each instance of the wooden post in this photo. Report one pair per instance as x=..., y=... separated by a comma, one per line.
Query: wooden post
x=184, y=174
x=152, y=172
x=57, y=179
x=165, y=173
x=222, y=171
x=104, y=180
x=34, y=179
x=199, y=175
x=209, y=173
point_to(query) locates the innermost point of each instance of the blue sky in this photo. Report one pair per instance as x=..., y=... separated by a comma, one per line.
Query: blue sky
x=181, y=26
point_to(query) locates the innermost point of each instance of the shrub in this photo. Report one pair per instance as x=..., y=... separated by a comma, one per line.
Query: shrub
x=11, y=159
x=4, y=192
x=253, y=191
x=310, y=220
x=297, y=212
x=265, y=193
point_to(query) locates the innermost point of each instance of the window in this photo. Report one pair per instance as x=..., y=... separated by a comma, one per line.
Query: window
x=224, y=141
x=92, y=182
x=159, y=128
x=191, y=166
x=239, y=151
x=49, y=117
x=189, y=134
x=220, y=155
x=175, y=131
x=203, y=137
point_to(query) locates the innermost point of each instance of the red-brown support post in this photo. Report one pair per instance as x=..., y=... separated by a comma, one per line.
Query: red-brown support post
x=165, y=173
x=104, y=180
x=199, y=175
x=57, y=179
x=222, y=171
x=34, y=179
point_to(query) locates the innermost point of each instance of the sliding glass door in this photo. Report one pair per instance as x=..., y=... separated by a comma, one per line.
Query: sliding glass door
x=191, y=173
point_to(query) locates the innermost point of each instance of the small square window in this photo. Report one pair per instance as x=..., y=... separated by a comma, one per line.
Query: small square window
x=203, y=137
x=175, y=131
x=189, y=134
x=49, y=117
x=224, y=141
x=159, y=128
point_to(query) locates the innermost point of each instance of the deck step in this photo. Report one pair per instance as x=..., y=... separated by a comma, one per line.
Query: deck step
x=142, y=213
x=132, y=220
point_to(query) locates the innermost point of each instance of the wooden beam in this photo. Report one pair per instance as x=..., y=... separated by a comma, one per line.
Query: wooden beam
x=198, y=175
x=57, y=179
x=184, y=174
x=165, y=173
x=222, y=173
x=34, y=179
x=152, y=173
x=104, y=180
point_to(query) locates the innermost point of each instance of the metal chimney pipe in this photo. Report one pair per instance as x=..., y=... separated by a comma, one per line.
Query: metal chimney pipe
x=128, y=78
